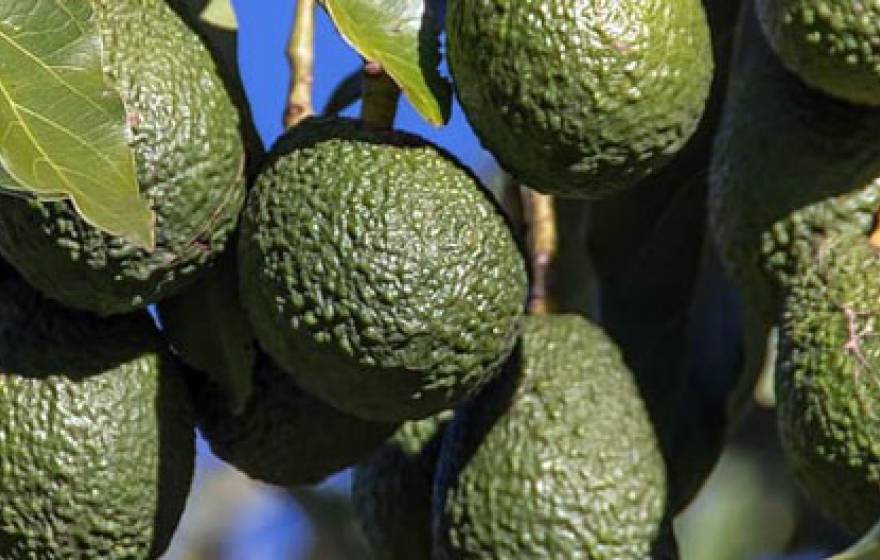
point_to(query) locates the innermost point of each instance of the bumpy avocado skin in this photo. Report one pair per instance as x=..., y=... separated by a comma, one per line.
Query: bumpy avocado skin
x=96, y=437
x=580, y=98
x=789, y=164
x=284, y=436
x=828, y=380
x=376, y=270
x=392, y=490
x=189, y=156
x=555, y=459
x=833, y=45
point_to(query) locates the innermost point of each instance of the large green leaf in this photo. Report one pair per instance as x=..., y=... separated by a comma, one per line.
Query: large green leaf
x=62, y=129
x=401, y=36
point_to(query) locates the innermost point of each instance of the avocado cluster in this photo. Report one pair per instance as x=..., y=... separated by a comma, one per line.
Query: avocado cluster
x=794, y=223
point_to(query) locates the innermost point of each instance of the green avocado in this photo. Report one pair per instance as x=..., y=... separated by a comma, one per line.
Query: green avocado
x=190, y=165
x=377, y=270
x=97, y=436
x=580, y=98
x=284, y=436
x=828, y=380
x=556, y=459
x=789, y=164
x=833, y=45
x=391, y=490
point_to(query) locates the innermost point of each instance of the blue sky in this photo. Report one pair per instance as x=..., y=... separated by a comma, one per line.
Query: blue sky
x=264, y=29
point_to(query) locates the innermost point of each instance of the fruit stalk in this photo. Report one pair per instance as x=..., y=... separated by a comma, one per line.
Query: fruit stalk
x=381, y=96
x=301, y=53
x=543, y=249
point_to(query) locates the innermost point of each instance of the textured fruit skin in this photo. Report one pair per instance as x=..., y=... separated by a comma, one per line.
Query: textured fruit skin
x=556, y=459
x=828, y=380
x=97, y=437
x=833, y=45
x=377, y=271
x=580, y=98
x=814, y=175
x=189, y=156
x=284, y=436
x=391, y=490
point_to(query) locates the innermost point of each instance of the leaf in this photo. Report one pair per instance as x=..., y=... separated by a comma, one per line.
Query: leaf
x=346, y=94
x=401, y=36
x=868, y=548
x=62, y=129
x=220, y=13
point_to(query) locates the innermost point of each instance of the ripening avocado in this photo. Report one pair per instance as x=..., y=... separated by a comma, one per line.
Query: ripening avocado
x=392, y=489
x=828, y=380
x=833, y=45
x=190, y=167
x=283, y=436
x=580, y=98
x=789, y=164
x=97, y=435
x=377, y=270
x=556, y=458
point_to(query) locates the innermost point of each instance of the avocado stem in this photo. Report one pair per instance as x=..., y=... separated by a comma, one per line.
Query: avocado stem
x=381, y=96
x=301, y=53
x=543, y=247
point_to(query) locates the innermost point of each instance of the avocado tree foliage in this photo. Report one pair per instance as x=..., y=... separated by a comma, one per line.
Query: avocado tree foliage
x=535, y=374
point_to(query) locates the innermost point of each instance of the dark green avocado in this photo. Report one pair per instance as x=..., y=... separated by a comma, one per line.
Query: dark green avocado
x=190, y=166
x=580, y=98
x=96, y=433
x=789, y=165
x=828, y=380
x=284, y=436
x=392, y=490
x=377, y=271
x=557, y=458
x=833, y=45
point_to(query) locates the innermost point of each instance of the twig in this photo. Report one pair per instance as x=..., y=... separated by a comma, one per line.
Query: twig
x=381, y=97
x=543, y=246
x=301, y=53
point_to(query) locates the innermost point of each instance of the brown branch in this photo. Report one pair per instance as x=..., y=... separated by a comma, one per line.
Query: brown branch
x=301, y=53
x=874, y=240
x=381, y=96
x=543, y=244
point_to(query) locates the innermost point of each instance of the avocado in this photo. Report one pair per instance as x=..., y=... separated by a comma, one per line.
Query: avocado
x=208, y=328
x=97, y=436
x=376, y=270
x=828, y=379
x=189, y=158
x=284, y=436
x=579, y=98
x=833, y=45
x=392, y=489
x=789, y=164
x=556, y=458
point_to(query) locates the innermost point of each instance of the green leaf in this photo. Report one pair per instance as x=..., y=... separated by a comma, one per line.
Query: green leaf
x=868, y=548
x=63, y=131
x=220, y=13
x=401, y=36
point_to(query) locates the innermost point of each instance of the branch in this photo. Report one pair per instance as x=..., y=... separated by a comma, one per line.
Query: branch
x=381, y=97
x=301, y=53
x=543, y=246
